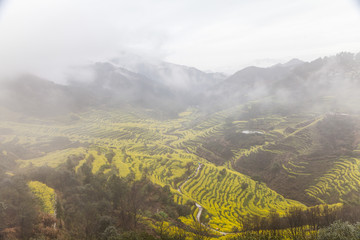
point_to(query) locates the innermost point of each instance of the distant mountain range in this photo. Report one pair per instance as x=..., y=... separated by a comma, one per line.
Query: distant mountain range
x=172, y=88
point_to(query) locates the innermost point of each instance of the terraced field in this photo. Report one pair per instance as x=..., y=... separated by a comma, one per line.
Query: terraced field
x=343, y=179
x=169, y=151
x=235, y=194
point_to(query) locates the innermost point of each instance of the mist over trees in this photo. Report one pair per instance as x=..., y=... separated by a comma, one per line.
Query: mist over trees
x=179, y=120
x=303, y=86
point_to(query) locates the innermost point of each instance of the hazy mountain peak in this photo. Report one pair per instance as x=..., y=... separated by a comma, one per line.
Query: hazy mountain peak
x=174, y=76
x=289, y=64
x=293, y=63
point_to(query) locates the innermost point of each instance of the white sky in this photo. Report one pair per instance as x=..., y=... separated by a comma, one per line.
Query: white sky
x=45, y=36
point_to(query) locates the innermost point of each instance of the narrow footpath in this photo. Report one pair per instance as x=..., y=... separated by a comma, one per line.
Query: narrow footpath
x=201, y=208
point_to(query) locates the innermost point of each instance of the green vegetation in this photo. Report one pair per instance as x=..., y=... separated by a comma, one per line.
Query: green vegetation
x=340, y=230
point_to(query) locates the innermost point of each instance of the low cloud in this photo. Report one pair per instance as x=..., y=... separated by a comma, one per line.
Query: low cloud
x=45, y=37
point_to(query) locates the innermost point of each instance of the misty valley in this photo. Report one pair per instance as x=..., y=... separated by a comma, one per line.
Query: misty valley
x=156, y=150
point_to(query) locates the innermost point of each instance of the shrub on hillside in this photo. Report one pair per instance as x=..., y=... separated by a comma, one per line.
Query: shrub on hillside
x=340, y=231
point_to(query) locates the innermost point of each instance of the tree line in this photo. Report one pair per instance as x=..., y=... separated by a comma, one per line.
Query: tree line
x=299, y=223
